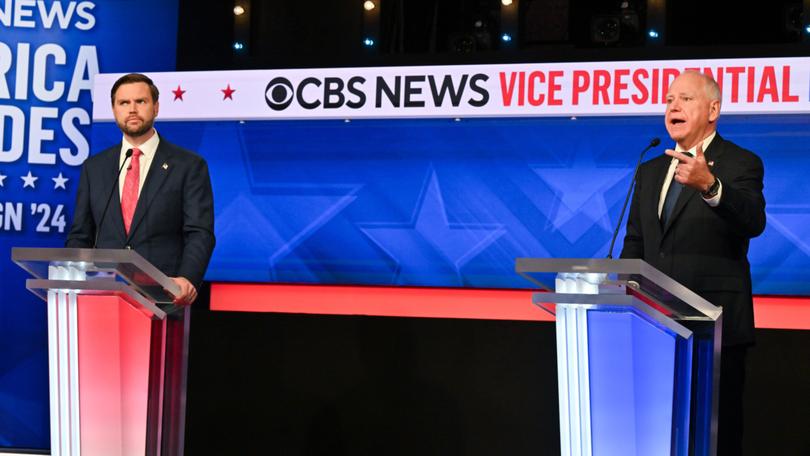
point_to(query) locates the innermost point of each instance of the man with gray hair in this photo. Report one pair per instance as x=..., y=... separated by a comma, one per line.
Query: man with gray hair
x=694, y=211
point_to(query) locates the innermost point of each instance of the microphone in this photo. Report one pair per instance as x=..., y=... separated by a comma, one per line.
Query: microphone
x=112, y=191
x=654, y=142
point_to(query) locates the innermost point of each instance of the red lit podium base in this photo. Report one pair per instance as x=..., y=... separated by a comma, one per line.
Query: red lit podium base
x=117, y=349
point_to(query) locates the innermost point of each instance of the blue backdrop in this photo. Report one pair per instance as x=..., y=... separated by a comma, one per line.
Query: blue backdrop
x=53, y=50
x=440, y=202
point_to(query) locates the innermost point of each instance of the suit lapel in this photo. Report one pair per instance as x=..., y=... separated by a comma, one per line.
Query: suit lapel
x=115, y=219
x=154, y=180
x=660, y=175
x=712, y=154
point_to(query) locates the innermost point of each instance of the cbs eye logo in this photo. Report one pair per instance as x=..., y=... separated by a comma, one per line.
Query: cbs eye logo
x=279, y=93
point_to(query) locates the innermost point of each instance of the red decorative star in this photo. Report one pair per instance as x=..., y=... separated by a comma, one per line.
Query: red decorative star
x=178, y=93
x=228, y=91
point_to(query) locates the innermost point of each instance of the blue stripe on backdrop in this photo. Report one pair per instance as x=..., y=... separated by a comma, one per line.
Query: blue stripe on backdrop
x=439, y=202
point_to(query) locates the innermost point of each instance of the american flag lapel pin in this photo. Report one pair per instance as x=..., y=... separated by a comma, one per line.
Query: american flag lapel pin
x=711, y=163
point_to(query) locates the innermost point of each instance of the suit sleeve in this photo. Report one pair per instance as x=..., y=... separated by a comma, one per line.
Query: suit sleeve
x=742, y=203
x=198, y=224
x=633, y=239
x=83, y=229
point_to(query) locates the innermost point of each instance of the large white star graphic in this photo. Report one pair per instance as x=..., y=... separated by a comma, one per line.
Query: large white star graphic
x=59, y=182
x=29, y=180
x=2, y=178
x=413, y=244
x=580, y=187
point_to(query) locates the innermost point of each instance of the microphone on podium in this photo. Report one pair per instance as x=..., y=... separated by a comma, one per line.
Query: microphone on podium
x=112, y=191
x=653, y=143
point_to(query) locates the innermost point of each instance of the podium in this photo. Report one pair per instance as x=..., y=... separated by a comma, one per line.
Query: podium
x=117, y=351
x=638, y=357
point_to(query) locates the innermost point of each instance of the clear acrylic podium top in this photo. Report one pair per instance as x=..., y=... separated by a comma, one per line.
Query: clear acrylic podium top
x=90, y=271
x=631, y=277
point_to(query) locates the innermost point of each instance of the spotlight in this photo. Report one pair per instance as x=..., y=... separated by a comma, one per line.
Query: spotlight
x=238, y=46
x=238, y=10
x=368, y=42
x=506, y=2
x=807, y=29
x=653, y=34
x=369, y=5
x=506, y=37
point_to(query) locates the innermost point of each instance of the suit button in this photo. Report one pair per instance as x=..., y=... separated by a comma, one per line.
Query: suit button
x=662, y=254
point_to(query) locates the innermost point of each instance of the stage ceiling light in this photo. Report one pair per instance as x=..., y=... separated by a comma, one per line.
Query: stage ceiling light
x=369, y=5
x=238, y=10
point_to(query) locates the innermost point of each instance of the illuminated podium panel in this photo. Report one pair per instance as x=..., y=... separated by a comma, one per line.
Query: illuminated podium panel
x=117, y=351
x=638, y=357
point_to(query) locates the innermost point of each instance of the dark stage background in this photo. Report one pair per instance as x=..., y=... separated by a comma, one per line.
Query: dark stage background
x=284, y=384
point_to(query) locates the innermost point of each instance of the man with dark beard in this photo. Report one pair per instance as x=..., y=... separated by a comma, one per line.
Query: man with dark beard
x=165, y=209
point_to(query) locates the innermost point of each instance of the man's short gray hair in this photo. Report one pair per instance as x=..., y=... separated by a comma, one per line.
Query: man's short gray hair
x=709, y=84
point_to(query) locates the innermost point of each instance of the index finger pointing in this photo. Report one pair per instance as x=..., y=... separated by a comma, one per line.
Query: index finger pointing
x=682, y=157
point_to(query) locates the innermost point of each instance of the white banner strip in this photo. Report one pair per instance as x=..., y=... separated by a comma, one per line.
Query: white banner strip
x=750, y=86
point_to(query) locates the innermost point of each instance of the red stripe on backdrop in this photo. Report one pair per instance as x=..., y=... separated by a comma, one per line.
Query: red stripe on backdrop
x=782, y=312
x=380, y=301
x=484, y=304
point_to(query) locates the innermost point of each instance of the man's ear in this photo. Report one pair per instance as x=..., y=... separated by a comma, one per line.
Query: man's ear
x=714, y=110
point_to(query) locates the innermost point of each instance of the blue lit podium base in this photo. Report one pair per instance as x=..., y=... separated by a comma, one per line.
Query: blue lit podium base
x=637, y=358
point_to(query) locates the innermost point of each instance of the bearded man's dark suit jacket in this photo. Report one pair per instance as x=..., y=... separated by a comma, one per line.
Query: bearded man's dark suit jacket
x=702, y=247
x=173, y=224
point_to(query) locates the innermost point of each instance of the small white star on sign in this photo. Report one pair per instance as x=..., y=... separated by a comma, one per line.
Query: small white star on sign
x=2, y=178
x=59, y=182
x=29, y=180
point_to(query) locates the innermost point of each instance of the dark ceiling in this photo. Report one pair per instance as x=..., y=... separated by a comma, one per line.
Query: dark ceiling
x=330, y=33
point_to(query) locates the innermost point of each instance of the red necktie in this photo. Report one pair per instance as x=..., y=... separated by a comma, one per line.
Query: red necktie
x=129, y=196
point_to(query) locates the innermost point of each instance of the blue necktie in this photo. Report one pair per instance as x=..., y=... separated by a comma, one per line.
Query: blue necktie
x=674, y=191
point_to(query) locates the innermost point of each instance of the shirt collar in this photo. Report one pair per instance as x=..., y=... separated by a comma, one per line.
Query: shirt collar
x=693, y=150
x=148, y=148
